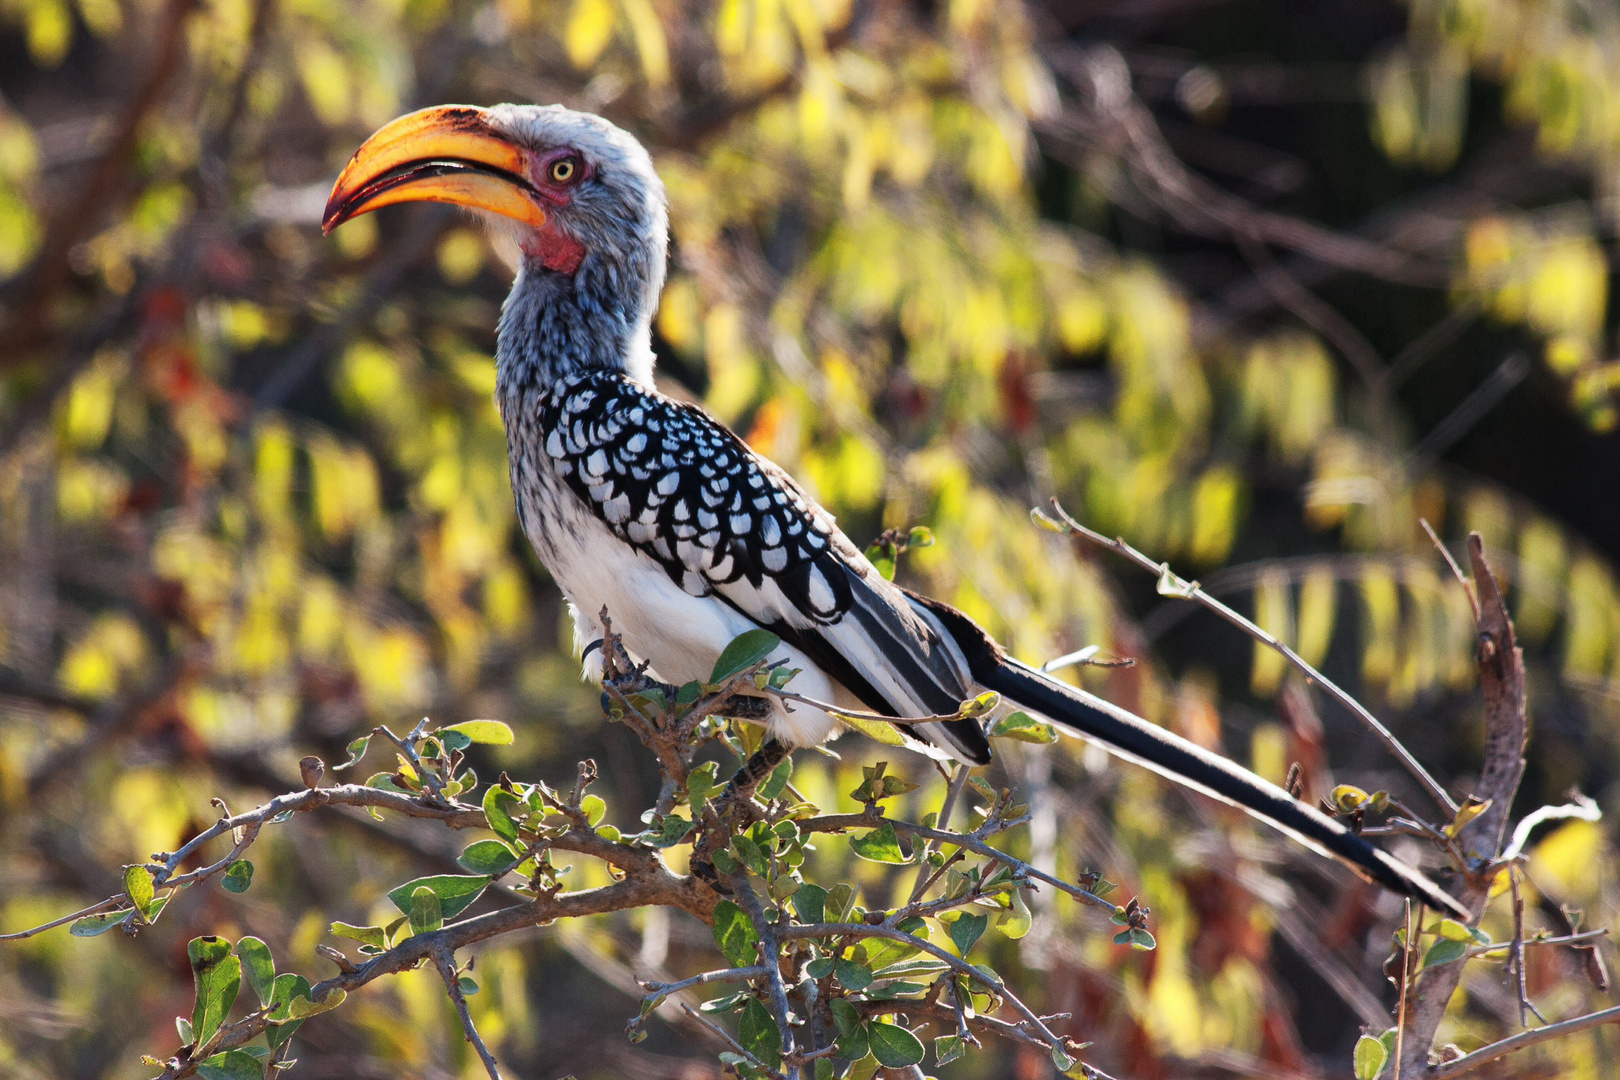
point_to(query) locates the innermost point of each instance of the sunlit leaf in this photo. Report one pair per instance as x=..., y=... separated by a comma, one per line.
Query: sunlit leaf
x=218, y=978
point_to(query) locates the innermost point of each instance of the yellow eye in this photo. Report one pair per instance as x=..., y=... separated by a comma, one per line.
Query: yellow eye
x=564, y=170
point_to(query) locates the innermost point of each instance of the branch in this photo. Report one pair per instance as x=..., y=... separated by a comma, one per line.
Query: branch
x=972, y=842
x=1501, y=675
x=1171, y=585
x=1487, y=1054
x=444, y=959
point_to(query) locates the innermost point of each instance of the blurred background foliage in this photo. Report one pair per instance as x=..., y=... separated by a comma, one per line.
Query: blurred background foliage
x=1256, y=285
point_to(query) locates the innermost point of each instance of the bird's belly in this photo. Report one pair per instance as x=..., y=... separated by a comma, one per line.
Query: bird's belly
x=681, y=635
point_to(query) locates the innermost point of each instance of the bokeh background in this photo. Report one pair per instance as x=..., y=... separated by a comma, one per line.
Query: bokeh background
x=1256, y=284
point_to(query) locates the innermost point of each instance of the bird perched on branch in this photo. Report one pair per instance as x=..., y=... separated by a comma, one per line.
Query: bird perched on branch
x=650, y=509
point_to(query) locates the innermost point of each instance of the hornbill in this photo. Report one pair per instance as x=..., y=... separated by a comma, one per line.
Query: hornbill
x=652, y=510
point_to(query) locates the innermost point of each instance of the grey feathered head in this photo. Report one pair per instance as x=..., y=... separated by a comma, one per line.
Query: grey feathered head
x=575, y=196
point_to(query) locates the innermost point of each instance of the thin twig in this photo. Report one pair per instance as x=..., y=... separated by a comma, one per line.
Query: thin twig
x=1487, y=1054
x=445, y=961
x=845, y=822
x=1406, y=969
x=720, y=1033
x=956, y=964
x=1171, y=585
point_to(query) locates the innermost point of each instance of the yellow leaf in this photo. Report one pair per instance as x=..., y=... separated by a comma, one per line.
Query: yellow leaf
x=1274, y=611
x=651, y=45
x=589, y=29
x=1570, y=860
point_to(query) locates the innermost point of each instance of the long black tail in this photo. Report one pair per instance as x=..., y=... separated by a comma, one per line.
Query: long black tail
x=1133, y=738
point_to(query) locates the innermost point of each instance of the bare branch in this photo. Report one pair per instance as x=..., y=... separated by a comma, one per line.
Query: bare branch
x=1172, y=585
x=445, y=961
x=1487, y=1054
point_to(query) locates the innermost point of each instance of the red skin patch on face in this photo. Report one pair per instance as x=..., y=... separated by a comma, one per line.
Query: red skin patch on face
x=555, y=249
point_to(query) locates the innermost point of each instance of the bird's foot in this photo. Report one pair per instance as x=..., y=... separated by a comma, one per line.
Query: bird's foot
x=735, y=809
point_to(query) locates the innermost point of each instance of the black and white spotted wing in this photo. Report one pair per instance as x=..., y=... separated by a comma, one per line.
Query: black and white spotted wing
x=724, y=522
x=674, y=484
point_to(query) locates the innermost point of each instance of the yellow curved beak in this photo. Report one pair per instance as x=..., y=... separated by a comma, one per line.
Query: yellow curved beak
x=448, y=153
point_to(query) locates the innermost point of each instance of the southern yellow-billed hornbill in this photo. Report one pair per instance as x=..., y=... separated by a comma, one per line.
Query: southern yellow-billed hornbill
x=649, y=508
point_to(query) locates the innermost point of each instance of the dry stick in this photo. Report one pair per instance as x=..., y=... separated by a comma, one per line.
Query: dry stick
x=953, y=791
x=1518, y=950
x=445, y=961
x=1487, y=1054
x=1501, y=676
x=1406, y=972
x=1171, y=585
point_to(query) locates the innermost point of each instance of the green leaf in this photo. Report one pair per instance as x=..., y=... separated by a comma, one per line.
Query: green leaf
x=1061, y=1060
x=701, y=783
x=259, y=967
x=745, y=650
x=879, y=556
x=880, y=845
x=820, y=967
x=947, y=1048
x=138, y=887
x=1369, y=1058
x=1444, y=951
x=287, y=987
x=749, y=854
x=735, y=935
x=672, y=830
x=965, y=931
x=856, y=1043
x=854, y=976
x=878, y=731
x=594, y=809
x=218, y=978
x=454, y=740
x=922, y=965
x=758, y=1033
x=427, y=915
x=773, y=785
x=488, y=732
x=496, y=801
x=893, y=1045
x=96, y=925
x=357, y=750
x=881, y=952
x=1015, y=921
x=453, y=891
x=468, y=986
x=810, y=903
x=375, y=936
x=1024, y=728
x=385, y=782
x=231, y=1065
x=238, y=876
x=840, y=901
x=303, y=1008
x=491, y=857
x=844, y=1015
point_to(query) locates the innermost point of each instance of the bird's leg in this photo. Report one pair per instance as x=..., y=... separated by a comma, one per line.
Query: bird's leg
x=755, y=770
x=733, y=802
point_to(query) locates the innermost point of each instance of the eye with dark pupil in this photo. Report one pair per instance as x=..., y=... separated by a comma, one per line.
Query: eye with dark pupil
x=564, y=170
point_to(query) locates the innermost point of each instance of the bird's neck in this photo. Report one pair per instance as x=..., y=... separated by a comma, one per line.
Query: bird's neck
x=556, y=326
